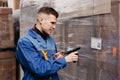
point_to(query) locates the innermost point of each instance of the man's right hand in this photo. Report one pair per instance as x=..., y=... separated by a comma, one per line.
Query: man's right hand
x=59, y=54
x=72, y=57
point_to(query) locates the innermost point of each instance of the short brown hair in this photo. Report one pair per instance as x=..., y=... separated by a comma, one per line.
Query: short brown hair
x=48, y=10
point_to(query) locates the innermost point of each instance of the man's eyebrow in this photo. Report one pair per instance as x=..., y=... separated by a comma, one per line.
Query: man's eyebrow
x=53, y=22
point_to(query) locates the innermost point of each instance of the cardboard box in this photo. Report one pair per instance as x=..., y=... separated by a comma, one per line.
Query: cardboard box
x=6, y=28
x=7, y=66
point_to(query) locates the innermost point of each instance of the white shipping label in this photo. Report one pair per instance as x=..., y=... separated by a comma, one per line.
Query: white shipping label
x=96, y=43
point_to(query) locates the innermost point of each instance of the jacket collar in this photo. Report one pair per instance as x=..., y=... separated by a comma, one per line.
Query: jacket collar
x=34, y=35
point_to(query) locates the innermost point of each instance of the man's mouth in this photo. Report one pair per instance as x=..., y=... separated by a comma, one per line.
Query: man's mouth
x=51, y=30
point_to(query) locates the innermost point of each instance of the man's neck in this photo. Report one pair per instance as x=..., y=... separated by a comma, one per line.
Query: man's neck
x=40, y=32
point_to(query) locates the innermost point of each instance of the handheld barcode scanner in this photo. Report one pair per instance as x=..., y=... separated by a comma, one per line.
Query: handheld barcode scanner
x=73, y=50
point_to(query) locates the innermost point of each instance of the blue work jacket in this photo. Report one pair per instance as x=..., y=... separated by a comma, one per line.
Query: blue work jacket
x=32, y=60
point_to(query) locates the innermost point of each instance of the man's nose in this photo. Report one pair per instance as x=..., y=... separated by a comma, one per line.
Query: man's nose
x=54, y=26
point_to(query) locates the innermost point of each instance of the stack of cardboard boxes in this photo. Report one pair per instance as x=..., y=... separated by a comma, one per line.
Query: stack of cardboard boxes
x=7, y=54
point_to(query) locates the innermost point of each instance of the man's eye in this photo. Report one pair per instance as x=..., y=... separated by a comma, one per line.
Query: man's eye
x=53, y=23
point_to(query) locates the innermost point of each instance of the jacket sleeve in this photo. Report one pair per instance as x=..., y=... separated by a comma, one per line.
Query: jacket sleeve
x=31, y=60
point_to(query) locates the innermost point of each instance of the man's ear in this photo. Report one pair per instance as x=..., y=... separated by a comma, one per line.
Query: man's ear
x=40, y=19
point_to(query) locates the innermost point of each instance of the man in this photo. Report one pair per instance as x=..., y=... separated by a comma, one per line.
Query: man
x=37, y=52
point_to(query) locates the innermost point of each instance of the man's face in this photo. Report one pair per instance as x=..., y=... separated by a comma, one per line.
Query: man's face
x=48, y=23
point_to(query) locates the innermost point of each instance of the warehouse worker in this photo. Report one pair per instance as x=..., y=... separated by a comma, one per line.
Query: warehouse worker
x=37, y=52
